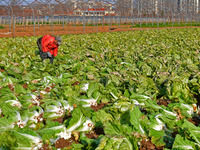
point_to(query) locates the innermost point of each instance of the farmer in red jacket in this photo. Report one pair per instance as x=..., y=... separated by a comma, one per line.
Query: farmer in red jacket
x=48, y=46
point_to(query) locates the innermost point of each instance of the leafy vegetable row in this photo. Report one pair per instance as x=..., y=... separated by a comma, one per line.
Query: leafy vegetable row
x=104, y=91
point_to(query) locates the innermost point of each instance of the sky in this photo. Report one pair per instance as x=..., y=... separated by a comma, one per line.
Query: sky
x=5, y=2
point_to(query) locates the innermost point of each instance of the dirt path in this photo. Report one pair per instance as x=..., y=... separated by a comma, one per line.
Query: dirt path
x=20, y=31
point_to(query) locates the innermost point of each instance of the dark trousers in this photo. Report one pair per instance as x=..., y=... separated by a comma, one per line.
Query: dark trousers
x=43, y=55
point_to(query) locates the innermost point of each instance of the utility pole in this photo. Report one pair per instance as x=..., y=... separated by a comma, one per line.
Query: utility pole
x=75, y=4
x=197, y=6
x=156, y=6
x=132, y=4
x=178, y=4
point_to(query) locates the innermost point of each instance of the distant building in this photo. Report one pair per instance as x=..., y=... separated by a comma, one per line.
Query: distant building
x=92, y=8
x=93, y=12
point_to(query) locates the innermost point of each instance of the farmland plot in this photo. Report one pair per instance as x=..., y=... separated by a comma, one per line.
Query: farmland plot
x=128, y=90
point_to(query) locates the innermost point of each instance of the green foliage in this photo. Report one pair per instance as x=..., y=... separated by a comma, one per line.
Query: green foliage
x=113, y=82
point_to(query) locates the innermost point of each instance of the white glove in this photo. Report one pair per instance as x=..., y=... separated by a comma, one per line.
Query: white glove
x=49, y=54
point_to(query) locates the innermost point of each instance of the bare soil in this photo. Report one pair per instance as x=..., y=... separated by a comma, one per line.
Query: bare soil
x=11, y=87
x=25, y=85
x=47, y=89
x=61, y=143
x=198, y=99
x=148, y=145
x=60, y=120
x=34, y=91
x=20, y=31
x=76, y=83
x=164, y=102
x=2, y=70
x=95, y=133
x=174, y=134
x=45, y=147
x=195, y=120
x=99, y=106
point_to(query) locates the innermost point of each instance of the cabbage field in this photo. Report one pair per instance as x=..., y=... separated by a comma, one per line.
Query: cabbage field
x=136, y=90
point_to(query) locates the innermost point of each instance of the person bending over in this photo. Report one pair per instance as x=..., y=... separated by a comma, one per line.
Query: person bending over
x=48, y=47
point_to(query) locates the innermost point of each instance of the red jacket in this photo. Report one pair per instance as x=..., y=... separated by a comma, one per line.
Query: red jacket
x=48, y=45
